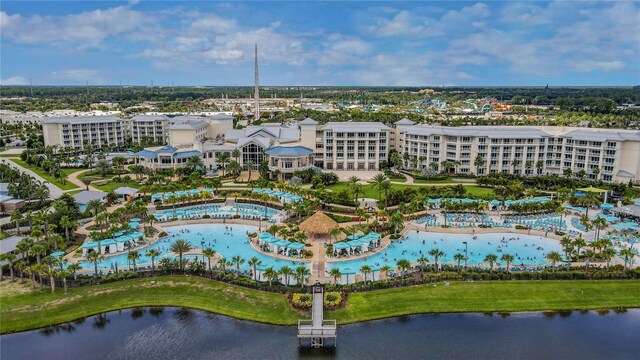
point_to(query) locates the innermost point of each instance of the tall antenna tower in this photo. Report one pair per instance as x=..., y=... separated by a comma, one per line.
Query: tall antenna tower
x=256, y=94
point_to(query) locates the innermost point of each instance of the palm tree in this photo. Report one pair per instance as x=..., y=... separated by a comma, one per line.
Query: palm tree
x=95, y=206
x=436, y=253
x=554, y=257
x=385, y=269
x=608, y=254
x=133, y=256
x=422, y=260
x=67, y=223
x=9, y=258
x=458, y=257
x=153, y=254
x=336, y=274
x=403, y=265
x=237, y=260
x=180, y=247
x=223, y=263
x=579, y=243
x=599, y=223
x=73, y=268
x=365, y=269
x=236, y=154
x=37, y=250
x=384, y=188
x=377, y=183
x=628, y=255
x=223, y=160
x=270, y=274
x=302, y=273
x=16, y=217
x=209, y=253
x=286, y=271
x=507, y=258
x=478, y=162
x=491, y=259
x=95, y=257
x=255, y=262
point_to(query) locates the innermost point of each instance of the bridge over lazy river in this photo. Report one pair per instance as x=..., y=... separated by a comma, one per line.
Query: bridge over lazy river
x=315, y=331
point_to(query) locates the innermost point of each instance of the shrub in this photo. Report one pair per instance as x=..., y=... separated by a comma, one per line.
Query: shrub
x=521, y=227
x=394, y=237
x=162, y=234
x=301, y=301
x=332, y=299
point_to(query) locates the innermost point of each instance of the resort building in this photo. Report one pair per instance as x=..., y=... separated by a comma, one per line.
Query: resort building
x=598, y=154
x=603, y=154
x=284, y=161
x=153, y=128
x=77, y=132
x=165, y=157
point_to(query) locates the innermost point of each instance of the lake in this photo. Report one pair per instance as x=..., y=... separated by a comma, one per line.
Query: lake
x=176, y=333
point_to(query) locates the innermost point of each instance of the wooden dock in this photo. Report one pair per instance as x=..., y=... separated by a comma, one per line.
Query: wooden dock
x=317, y=330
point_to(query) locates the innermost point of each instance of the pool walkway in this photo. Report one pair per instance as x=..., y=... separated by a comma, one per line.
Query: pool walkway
x=317, y=329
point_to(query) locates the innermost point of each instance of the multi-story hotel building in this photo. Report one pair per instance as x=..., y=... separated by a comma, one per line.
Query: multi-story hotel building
x=153, y=128
x=603, y=154
x=76, y=132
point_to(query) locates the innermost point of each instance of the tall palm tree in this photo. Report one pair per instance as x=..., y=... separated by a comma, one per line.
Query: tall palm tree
x=302, y=273
x=67, y=223
x=422, y=261
x=377, y=181
x=554, y=257
x=286, y=271
x=223, y=263
x=209, y=253
x=436, y=253
x=223, y=159
x=270, y=274
x=336, y=274
x=459, y=258
x=579, y=243
x=403, y=265
x=365, y=269
x=385, y=269
x=236, y=154
x=237, y=260
x=10, y=259
x=255, y=262
x=133, y=256
x=491, y=259
x=180, y=247
x=96, y=258
x=507, y=258
x=74, y=268
x=627, y=255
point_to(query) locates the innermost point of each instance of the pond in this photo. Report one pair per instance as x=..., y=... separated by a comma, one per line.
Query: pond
x=176, y=333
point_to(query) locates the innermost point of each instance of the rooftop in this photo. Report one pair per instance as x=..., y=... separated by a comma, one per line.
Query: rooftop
x=355, y=126
x=82, y=120
x=83, y=197
x=288, y=151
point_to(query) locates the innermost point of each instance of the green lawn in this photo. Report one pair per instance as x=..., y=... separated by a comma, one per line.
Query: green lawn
x=488, y=296
x=433, y=181
x=35, y=309
x=114, y=184
x=370, y=192
x=64, y=186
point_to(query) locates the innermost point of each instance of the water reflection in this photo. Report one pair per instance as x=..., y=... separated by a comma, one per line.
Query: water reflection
x=176, y=333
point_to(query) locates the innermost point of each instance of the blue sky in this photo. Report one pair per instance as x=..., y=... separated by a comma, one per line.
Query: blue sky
x=321, y=43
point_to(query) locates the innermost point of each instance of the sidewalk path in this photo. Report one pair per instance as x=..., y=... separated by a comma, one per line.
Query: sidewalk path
x=73, y=178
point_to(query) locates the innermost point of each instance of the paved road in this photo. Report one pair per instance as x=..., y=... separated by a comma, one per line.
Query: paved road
x=54, y=191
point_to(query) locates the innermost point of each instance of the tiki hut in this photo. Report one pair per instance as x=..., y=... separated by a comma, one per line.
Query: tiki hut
x=319, y=224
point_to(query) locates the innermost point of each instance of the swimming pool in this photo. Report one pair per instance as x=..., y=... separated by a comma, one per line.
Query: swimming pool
x=526, y=249
x=227, y=243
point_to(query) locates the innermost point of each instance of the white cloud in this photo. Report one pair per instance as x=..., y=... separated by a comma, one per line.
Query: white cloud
x=86, y=28
x=78, y=76
x=14, y=80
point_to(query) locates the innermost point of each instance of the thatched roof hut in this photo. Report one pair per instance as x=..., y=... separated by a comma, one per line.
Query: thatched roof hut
x=319, y=224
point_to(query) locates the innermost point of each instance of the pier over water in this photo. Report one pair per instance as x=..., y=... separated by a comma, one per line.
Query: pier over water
x=317, y=330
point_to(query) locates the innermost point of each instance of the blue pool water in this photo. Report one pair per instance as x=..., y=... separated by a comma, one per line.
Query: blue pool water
x=227, y=243
x=526, y=249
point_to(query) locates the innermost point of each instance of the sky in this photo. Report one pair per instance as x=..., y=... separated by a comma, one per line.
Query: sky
x=326, y=43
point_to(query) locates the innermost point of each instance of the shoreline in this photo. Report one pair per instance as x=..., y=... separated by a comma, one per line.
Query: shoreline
x=275, y=310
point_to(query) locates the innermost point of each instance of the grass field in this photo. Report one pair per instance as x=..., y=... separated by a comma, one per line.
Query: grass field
x=370, y=192
x=24, y=309
x=114, y=184
x=45, y=175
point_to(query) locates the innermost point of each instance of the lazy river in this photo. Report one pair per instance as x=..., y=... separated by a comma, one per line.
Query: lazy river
x=528, y=250
x=227, y=240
